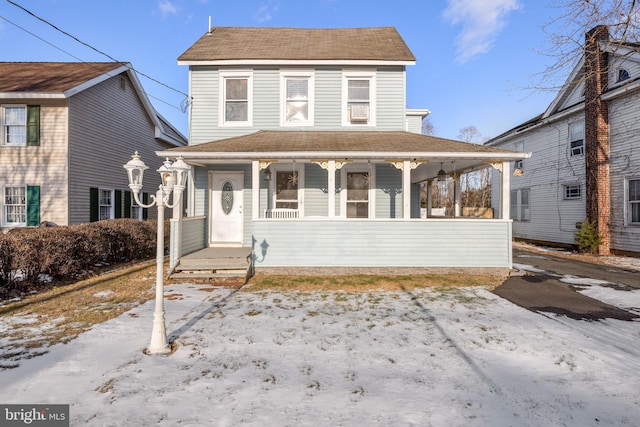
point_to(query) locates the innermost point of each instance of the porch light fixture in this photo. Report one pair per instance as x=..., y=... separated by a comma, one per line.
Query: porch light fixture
x=267, y=174
x=174, y=178
x=442, y=176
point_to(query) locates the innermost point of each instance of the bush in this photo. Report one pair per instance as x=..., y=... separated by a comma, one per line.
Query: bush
x=587, y=238
x=63, y=253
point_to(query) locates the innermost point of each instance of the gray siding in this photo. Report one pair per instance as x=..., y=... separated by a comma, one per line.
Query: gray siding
x=377, y=243
x=390, y=98
x=106, y=125
x=388, y=192
x=625, y=164
x=316, y=198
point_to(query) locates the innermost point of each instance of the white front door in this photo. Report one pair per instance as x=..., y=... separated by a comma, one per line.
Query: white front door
x=227, y=200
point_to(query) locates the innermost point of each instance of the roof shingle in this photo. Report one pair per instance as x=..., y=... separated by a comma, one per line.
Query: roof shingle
x=50, y=77
x=251, y=43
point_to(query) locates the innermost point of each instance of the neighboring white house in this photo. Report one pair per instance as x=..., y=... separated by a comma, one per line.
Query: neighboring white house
x=66, y=129
x=585, y=162
x=303, y=151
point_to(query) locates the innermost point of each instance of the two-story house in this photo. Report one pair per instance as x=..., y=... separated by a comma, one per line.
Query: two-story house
x=305, y=154
x=66, y=129
x=586, y=153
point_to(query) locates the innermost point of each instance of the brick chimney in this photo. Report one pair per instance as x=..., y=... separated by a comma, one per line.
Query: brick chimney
x=596, y=135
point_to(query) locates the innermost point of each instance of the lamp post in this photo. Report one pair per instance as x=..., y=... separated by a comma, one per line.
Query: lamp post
x=174, y=177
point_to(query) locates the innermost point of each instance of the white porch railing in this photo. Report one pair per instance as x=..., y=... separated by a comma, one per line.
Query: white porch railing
x=281, y=213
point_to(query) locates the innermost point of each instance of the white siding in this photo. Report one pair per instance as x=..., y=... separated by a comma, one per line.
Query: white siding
x=44, y=165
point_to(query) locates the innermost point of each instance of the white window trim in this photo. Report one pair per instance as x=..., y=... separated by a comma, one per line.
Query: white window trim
x=363, y=167
x=3, y=207
x=359, y=75
x=571, y=153
x=299, y=169
x=284, y=75
x=111, y=207
x=627, y=202
x=565, y=187
x=3, y=124
x=236, y=74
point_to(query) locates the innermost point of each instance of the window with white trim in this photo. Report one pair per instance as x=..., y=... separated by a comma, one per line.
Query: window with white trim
x=14, y=205
x=576, y=138
x=105, y=204
x=622, y=75
x=236, y=107
x=287, y=185
x=14, y=125
x=297, y=98
x=359, y=98
x=520, y=207
x=633, y=201
x=518, y=165
x=358, y=194
x=572, y=192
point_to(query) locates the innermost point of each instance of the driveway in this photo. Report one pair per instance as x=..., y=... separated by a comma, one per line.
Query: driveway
x=547, y=283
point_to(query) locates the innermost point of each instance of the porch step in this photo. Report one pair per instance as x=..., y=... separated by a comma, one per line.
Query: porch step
x=213, y=263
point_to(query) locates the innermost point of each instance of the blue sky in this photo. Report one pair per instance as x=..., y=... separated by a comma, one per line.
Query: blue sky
x=474, y=57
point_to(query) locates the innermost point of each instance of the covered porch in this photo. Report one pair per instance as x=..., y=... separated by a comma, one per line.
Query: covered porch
x=300, y=202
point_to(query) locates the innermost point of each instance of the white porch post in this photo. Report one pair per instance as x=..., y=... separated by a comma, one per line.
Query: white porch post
x=505, y=190
x=331, y=187
x=457, y=195
x=406, y=189
x=429, y=197
x=255, y=189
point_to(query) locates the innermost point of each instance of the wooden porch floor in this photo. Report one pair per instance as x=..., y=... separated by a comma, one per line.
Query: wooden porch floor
x=211, y=263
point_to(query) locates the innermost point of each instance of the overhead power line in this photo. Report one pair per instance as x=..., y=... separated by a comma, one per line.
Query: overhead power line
x=88, y=45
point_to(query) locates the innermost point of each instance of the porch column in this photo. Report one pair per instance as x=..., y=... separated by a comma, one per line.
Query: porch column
x=429, y=197
x=457, y=195
x=331, y=187
x=255, y=189
x=406, y=189
x=505, y=190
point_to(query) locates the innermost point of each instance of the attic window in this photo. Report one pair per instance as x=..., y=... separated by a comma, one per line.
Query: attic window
x=123, y=83
x=622, y=75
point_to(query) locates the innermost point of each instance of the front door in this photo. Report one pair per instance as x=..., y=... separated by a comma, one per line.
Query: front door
x=227, y=193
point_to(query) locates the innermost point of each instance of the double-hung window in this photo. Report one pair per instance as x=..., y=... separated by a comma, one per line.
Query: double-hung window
x=106, y=204
x=576, y=138
x=14, y=125
x=297, y=98
x=633, y=201
x=520, y=207
x=236, y=107
x=15, y=205
x=518, y=165
x=359, y=101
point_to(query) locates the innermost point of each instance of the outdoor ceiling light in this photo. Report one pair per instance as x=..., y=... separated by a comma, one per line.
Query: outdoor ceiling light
x=441, y=174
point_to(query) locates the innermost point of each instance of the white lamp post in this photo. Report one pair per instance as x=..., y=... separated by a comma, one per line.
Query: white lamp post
x=174, y=177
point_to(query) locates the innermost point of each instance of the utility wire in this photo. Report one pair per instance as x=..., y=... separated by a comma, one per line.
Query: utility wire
x=92, y=48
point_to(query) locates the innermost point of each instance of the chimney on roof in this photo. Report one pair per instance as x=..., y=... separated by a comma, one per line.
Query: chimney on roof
x=596, y=137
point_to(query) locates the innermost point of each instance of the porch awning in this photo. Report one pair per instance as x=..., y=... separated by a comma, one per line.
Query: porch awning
x=341, y=144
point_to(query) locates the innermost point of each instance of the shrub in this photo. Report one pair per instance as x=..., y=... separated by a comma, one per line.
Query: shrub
x=587, y=238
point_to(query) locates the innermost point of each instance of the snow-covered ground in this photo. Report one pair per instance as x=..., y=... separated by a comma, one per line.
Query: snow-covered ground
x=426, y=357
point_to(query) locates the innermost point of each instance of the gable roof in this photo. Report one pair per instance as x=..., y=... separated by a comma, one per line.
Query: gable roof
x=354, y=144
x=298, y=44
x=50, y=77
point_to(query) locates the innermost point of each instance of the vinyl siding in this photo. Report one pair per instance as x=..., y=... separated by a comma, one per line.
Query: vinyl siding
x=316, y=199
x=204, y=113
x=378, y=243
x=44, y=165
x=625, y=164
x=388, y=192
x=550, y=167
x=106, y=126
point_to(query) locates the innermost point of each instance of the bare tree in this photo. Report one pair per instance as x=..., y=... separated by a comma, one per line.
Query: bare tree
x=566, y=34
x=427, y=127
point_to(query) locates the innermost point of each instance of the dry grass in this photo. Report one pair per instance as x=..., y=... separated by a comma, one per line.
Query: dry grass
x=364, y=282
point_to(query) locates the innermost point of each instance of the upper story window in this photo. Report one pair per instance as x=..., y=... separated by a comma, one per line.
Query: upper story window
x=297, y=98
x=518, y=165
x=236, y=107
x=359, y=98
x=576, y=138
x=20, y=125
x=622, y=75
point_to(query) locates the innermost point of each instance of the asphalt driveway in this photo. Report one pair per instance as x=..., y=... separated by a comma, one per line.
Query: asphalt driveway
x=539, y=289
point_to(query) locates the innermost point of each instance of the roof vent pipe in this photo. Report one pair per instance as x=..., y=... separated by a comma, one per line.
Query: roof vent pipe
x=209, y=24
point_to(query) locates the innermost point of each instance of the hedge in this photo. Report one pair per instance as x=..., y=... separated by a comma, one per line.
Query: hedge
x=29, y=256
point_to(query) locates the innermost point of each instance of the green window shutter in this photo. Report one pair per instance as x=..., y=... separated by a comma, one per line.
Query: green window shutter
x=127, y=204
x=33, y=205
x=93, y=204
x=118, y=204
x=33, y=125
x=145, y=200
